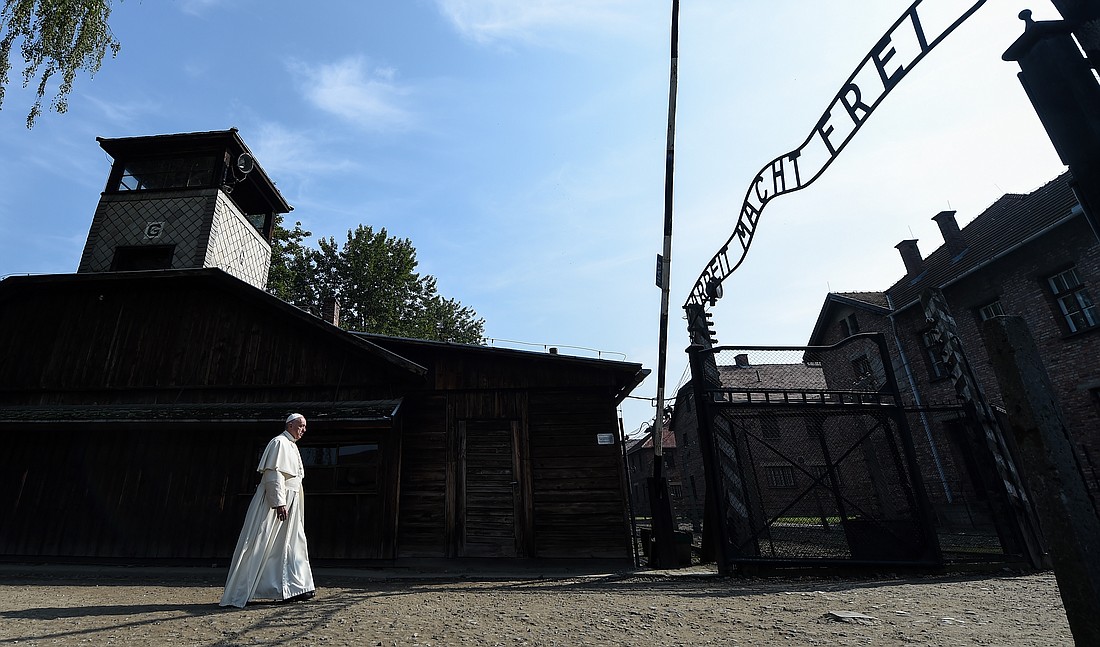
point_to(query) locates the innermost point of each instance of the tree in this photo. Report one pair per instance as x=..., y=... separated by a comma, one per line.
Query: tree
x=57, y=38
x=291, y=273
x=374, y=278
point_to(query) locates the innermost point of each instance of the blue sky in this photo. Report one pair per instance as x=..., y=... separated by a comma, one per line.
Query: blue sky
x=520, y=145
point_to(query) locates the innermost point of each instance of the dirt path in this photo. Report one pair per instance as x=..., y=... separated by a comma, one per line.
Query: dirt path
x=180, y=608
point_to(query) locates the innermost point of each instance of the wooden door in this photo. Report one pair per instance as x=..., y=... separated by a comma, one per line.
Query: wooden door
x=490, y=489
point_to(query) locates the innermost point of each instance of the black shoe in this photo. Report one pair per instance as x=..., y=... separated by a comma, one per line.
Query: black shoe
x=301, y=597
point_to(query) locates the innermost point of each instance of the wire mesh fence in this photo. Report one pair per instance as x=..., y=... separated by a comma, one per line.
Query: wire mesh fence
x=818, y=457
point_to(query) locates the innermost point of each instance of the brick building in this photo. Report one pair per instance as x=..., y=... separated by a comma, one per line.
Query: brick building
x=1033, y=255
x=782, y=436
x=639, y=465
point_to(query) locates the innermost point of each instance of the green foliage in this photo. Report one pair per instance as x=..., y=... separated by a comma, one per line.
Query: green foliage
x=57, y=38
x=374, y=278
x=291, y=272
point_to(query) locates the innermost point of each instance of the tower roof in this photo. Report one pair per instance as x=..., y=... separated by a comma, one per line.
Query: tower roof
x=256, y=193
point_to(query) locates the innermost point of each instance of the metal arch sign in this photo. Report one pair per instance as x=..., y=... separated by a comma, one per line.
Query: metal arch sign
x=923, y=26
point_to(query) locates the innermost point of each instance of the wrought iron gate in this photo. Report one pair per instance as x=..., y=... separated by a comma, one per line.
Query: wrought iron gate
x=810, y=455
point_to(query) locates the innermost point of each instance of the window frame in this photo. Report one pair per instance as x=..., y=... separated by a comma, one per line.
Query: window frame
x=1061, y=290
x=933, y=356
x=339, y=470
x=197, y=170
x=995, y=304
x=780, y=477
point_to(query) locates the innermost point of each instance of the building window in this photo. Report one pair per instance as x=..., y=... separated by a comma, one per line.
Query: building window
x=849, y=325
x=342, y=468
x=167, y=173
x=862, y=367
x=142, y=257
x=990, y=310
x=865, y=374
x=779, y=476
x=769, y=427
x=1073, y=300
x=821, y=472
x=933, y=353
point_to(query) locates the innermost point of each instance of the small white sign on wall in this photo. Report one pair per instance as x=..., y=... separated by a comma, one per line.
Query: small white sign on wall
x=605, y=439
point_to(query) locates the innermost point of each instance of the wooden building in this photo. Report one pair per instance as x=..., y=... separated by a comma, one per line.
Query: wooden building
x=135, y=404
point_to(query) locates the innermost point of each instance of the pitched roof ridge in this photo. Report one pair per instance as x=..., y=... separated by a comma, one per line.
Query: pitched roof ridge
x=1000, y=226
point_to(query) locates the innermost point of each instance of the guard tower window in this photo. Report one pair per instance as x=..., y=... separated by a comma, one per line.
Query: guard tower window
x=147, y=174
x=143, y=257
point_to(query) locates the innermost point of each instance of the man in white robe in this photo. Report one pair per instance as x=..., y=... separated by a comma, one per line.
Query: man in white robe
x=271, y=561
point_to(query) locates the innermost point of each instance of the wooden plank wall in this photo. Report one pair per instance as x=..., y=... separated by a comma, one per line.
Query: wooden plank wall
x=124, y=495
x=422, y=514
x=576, y=500
x=354, y=525
x=578, y=484
x=147, y=495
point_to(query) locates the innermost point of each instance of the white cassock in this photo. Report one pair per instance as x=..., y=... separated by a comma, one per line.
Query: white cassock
x=271, y=561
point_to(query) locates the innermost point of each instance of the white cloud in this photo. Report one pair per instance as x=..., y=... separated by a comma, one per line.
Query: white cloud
x=488, y=21
x=290, y=152
x=351, y=89
x=197, y=7
x=124, y=113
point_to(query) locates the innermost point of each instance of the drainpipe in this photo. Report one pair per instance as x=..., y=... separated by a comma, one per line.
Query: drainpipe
x=916, y=400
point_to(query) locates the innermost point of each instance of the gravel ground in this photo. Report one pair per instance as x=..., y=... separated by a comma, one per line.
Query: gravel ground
x=66, y=606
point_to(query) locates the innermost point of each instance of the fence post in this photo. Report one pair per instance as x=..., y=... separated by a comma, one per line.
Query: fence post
x=715, y=531
x=1066, y=511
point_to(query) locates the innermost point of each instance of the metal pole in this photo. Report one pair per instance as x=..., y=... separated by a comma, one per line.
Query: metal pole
x=663, y=550
x=666, y=256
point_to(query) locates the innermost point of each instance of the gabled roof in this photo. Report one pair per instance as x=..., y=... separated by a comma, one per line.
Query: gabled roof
x=668, y=440
x=208, y=280
x=873, y=302
x=876, y=300
x=629, y=374
x=772, y=376
x=378, y=411
x=1008, y=223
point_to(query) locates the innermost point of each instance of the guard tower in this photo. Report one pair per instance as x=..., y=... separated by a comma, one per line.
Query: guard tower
x=184, y=201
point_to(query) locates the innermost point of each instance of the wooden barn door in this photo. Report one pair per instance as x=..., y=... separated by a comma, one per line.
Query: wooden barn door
x=491, y=501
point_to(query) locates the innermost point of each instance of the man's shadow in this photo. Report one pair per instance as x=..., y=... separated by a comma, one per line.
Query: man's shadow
x=54, y=613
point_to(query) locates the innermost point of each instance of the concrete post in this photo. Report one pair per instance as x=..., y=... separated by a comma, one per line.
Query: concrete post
x=1066, y=511
x=1066, y=97
x=1084, y=15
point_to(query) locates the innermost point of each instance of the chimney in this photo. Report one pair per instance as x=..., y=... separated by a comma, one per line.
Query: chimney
x=330, y=310
x=949, y=228
x=910, y=255
x=741, y=360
